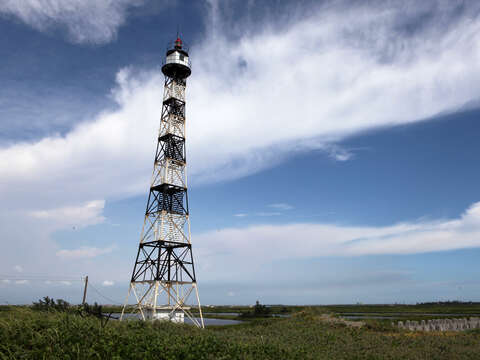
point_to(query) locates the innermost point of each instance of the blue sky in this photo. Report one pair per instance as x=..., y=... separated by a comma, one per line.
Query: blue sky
x=332, y=147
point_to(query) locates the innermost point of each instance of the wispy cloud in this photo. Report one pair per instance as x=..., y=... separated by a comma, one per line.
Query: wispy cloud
x=84, y=252
x=108, y=283
x=266, y=243
x=268, y=213
x=281, y=206
x=89, y=213
x=276, y=206
x=240, y=215
x=357, y=95
x=88, y=21
x=338, y=153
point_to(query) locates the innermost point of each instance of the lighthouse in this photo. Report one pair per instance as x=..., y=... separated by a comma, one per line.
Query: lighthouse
x=163, y=283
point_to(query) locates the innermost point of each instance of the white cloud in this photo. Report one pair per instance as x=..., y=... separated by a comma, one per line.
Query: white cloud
x=281, y=206
x=345, y=86
x=85, y=20
x=108, y=283
x=277, y=206
x=338, y=153
x=240, y=215
x=244, y=250
x=6, y=281
x=84, y=252
x=267, y=213
x=89, y=213
x=68, y=283
x=18, y=268
x=21, y=282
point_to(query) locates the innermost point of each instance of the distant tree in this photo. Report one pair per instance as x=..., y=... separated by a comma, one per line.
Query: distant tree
x=49, y=304
x=260, y=310
x=449, y=302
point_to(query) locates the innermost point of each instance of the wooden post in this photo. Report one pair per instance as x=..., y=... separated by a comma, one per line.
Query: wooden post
x=85, y=290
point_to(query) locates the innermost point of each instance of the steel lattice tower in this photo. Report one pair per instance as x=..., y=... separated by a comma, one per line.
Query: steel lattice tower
x=163, y=277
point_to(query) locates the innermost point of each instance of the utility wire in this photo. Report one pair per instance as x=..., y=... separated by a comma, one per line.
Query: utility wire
x=39, y=278
x=105, y=297
x=35, y=279
x=4, y=277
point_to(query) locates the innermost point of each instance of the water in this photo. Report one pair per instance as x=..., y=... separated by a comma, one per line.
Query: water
x=206, y=321
x=213, y=321
x=222, y=313
x=237, y=314
x=353, y=317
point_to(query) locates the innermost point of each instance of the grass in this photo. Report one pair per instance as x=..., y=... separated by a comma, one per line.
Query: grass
x=28, y=334
x=274, y=309
x=448, y=308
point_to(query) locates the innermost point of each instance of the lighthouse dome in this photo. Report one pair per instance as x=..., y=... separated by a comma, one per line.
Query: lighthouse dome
x=177, y=62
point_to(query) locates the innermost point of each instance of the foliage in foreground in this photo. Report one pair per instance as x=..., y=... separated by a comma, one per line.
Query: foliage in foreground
x=27, y=334
x=49, y=304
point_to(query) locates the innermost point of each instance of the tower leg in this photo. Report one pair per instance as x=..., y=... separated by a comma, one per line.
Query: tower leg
x=154, y=310
x=199, y=306
x=126, y=302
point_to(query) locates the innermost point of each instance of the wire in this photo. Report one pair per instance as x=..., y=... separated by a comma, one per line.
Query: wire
x=4, y=277
x=105, y=297
x=38, y=278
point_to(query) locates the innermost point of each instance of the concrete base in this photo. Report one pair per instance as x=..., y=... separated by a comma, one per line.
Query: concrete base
x=166, y=315
x=441, y=324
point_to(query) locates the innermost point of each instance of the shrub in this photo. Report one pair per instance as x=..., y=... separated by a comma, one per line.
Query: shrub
x=49, y=304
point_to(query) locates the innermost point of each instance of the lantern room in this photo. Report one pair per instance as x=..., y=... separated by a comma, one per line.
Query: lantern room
x=177, y=62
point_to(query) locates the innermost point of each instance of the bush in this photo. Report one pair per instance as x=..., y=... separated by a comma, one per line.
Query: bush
x=49, y=304
x=259, y=310
x=28, y=334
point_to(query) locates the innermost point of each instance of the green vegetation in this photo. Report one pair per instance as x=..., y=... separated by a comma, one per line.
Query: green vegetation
x=29, y=334
x=426, y=311
x=429, y=308
x=49, y=304
x=259, y=311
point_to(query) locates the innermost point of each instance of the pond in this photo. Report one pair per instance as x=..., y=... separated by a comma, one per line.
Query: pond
x=357, y=317
x=237, y=314
x=213, y=321
x=206, y=321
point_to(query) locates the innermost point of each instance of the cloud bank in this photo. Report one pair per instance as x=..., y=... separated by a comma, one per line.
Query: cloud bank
x=89, y=213
x=268, y=95
x=86, y=21
x=84, y=252
x=245, y=250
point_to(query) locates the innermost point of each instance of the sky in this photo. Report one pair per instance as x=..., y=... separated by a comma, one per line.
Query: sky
x=332, y=147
